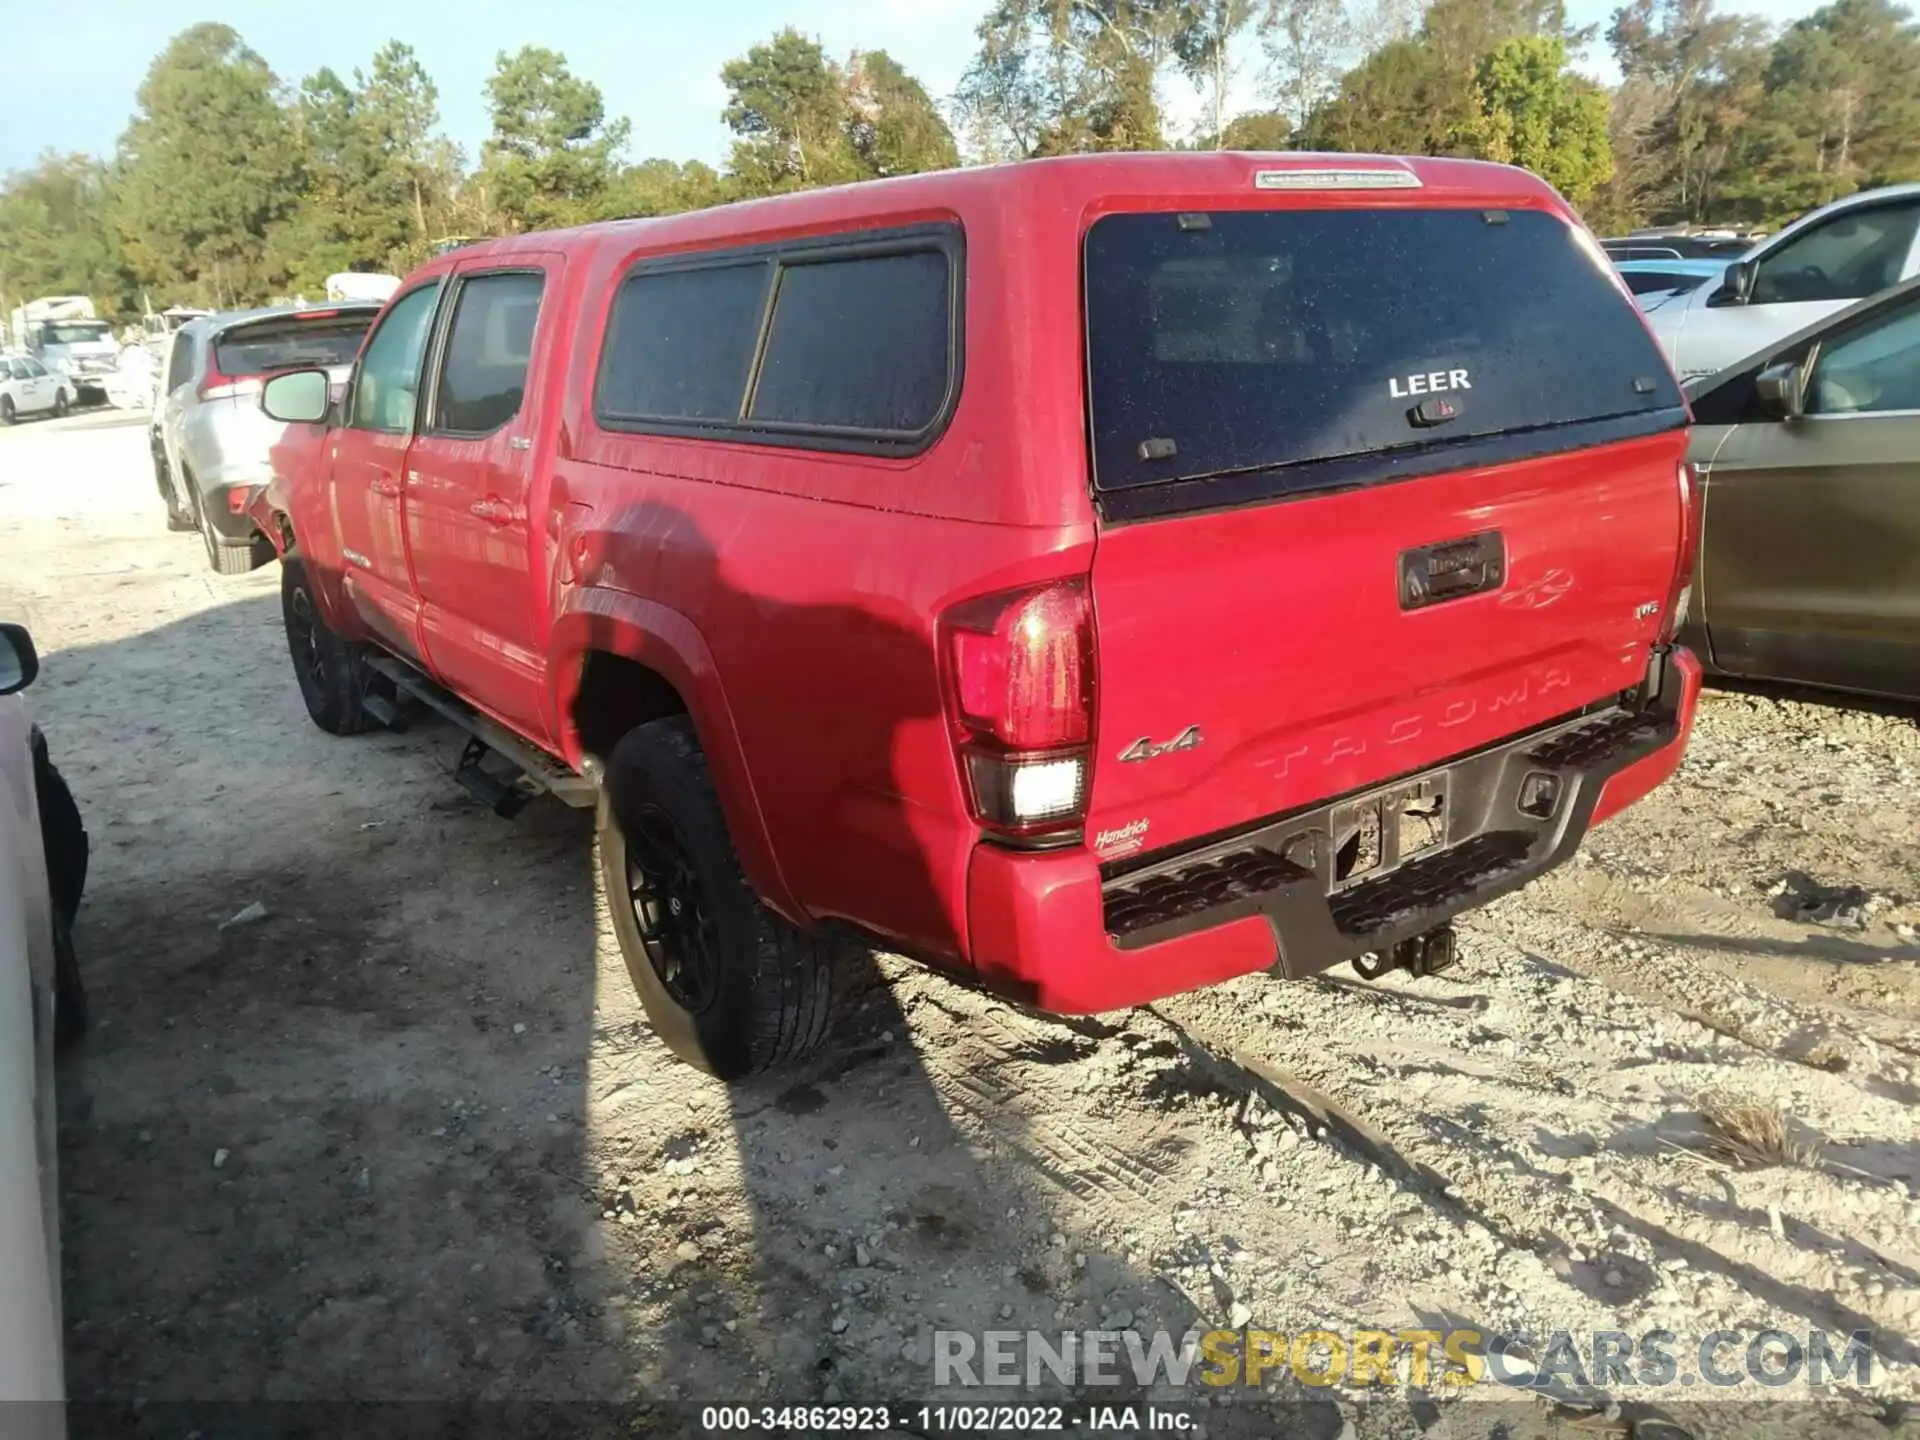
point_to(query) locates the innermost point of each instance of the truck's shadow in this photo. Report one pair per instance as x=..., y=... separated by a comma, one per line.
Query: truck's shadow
x=408, y=1137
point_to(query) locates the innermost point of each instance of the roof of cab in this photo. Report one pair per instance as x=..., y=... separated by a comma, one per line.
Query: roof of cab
x=1070, y=179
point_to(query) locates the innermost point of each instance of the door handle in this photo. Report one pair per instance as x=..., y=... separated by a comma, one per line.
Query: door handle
x=384, y=484
x=493, y=510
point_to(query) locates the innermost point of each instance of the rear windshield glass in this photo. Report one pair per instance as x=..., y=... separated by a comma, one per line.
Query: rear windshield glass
x=1249, y=340
x=290, y=343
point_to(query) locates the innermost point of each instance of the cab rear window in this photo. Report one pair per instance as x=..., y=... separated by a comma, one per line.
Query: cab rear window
x=290, y=342
x=1243, y=341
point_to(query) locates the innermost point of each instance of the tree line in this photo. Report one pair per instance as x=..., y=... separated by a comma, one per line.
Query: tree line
x=230, y=186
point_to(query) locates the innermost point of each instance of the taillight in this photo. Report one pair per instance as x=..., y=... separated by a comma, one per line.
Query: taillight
x=217, y=386
x=1680, y=595
x=1019, y=682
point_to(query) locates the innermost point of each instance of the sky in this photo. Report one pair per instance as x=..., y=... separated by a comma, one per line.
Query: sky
x=72, y=70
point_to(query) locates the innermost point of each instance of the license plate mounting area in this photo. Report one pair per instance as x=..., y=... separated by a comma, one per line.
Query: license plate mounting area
x=1374, y=834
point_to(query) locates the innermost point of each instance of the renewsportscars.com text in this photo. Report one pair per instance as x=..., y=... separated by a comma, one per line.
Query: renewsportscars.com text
x=1561, y=1361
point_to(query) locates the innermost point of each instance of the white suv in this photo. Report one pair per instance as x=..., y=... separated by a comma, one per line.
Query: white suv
x=210, y=437
x=1820, y=264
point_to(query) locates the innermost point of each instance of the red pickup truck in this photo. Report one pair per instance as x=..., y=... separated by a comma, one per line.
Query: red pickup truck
x=1099, y=577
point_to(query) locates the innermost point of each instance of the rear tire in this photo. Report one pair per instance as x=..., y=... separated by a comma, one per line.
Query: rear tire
x=60, y=405
x=225, y=558
x=331, y=671
x=232, y=559
x=728, y=985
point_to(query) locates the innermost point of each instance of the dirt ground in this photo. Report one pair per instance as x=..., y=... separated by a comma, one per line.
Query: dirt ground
x=408, y=1136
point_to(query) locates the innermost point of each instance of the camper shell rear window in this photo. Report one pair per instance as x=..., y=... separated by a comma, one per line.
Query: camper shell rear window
x=1293, y=342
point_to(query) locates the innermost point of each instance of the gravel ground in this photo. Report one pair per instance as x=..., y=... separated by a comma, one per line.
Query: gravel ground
x=407, y=1135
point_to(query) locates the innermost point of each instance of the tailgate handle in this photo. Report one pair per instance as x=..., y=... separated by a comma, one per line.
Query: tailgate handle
x=1452, y=569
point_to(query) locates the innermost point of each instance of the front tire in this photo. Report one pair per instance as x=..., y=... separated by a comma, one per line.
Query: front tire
x=7, y=413
x=178, y=517
x=64, y=838
x=62, y=832
x=331, y=671
x=69, y=992
x=728, y=985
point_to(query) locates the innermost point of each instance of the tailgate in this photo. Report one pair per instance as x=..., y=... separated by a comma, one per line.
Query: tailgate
x=1377, y=487
x=1253, y=661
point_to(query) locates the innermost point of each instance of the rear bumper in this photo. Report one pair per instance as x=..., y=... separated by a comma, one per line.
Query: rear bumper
x=221, y=476
x=1050, y=930
x=229, y=524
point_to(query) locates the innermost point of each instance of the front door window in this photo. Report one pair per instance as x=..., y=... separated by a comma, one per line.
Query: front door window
x=386, y=388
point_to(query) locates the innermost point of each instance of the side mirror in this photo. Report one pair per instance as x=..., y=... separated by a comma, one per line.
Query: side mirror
x=1736, y=286
x=1780, y=390
x=299, y=397
x=18, y=661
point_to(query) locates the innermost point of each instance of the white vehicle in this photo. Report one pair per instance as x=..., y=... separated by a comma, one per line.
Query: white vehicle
x=130, y=386
x=63, y=333
x=156, y=327
x=1818, y=265
x=351, y=285
x=29, y=388
x=42, y=868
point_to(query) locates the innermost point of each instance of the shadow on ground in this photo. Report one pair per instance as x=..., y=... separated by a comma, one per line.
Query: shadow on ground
x=406, y=1135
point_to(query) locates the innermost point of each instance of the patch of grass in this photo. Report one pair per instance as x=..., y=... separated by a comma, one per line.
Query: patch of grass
x=1750, y=1133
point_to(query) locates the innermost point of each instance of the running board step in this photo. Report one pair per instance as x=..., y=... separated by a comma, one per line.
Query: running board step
x=390, y=715
x=506, y=796
x=536, y=771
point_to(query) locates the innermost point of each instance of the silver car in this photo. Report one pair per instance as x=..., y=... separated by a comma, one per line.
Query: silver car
x=43, y=857
x=209, y=436
x=1809, y=459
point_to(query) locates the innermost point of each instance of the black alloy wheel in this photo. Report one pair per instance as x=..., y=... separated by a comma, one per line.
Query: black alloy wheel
x=303, y=638
x=670, y=908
